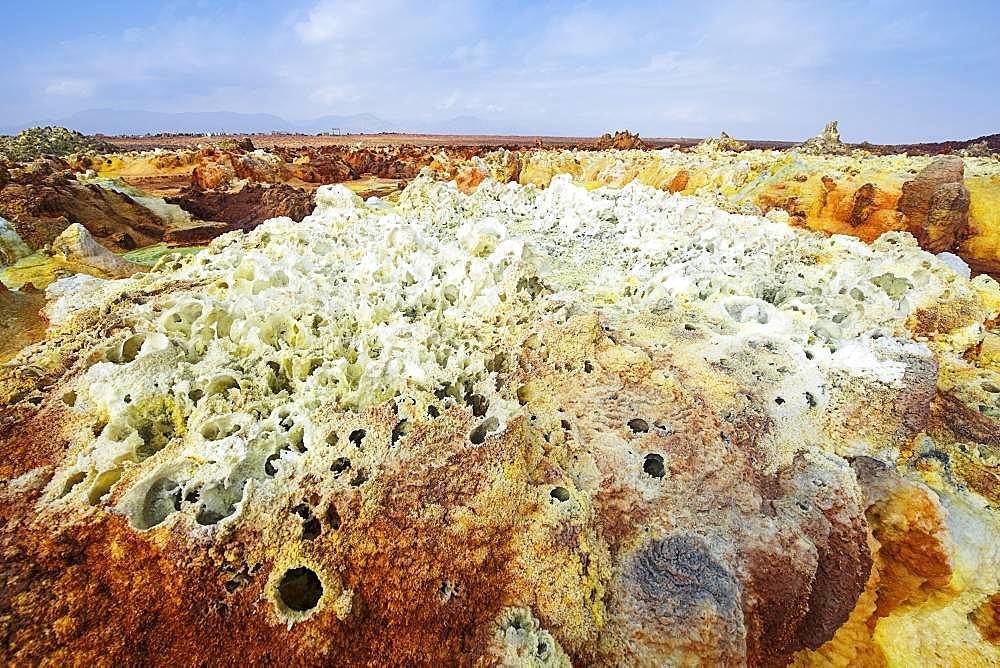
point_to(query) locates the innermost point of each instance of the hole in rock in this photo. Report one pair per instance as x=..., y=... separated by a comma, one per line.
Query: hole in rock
x=638, y=425
x=559, y=494
x=103, y=485
x=72, y=482
x=478, y=403
x=222, y=385
x=155, y=430
x=588, y=366
x=162, y=499
x=300, y=589
x=360, y=478
x=332, y=517
x=498, y=363
x=811, y=400
x=130, y=349
x=478, y=434
x=357, y=436
x=332, y=438
x=653, y=465
x=208, y=517
x=310, y=524
x=340, y=464
x=401, y=429
x=433, y=411
x=779, y=400
x=448, y=590
x=269, y=468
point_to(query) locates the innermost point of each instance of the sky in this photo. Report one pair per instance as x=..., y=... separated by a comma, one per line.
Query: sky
x=889, y=70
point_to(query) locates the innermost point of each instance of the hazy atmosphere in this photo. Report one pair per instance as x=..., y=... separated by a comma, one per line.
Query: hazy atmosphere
x=891, y=71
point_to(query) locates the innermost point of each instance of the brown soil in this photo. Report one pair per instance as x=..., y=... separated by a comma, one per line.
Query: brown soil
x=513, y=141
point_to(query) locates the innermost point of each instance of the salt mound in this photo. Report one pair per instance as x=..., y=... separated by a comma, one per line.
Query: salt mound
x=517, y=425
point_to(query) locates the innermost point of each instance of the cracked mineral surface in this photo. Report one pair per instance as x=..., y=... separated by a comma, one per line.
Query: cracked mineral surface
x=520, y=426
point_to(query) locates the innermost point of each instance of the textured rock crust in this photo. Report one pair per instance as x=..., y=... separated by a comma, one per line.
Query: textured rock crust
x=826, y=142
x=520, y=426
x=936, y=204
x=621, y=140
x=44, y=197
x=244, y=209
x=722, y=143
x=36, y=142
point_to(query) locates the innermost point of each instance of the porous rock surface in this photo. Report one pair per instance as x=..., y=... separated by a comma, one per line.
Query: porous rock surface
x=518, y=427
x=948, y=203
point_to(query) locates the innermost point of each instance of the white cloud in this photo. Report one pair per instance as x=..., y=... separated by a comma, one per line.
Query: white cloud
x=71, y=88
x=345, y=20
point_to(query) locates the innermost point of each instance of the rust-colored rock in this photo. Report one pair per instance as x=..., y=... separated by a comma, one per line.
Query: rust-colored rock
x=246, y=208
x=43, y=198
x=936, y=204
x=679, y=182
x=621, y=140
x=987, y=618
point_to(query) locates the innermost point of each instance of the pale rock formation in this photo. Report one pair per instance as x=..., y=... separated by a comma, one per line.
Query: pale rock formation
x=12, y=248
x=76, y=246
x=826, y=142
x=721, y=143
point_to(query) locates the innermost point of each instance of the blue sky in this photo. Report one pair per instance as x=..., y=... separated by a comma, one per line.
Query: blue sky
x=889, y=70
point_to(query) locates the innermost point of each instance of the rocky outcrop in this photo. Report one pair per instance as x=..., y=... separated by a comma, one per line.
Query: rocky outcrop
x=597, y=426
x=244, y=209
x=320, y=168
x=76, y=246
x=722, y=143
x=622, y=140
x=936, y=204
x=44, y=197
x=826, y=142
x=36, y=142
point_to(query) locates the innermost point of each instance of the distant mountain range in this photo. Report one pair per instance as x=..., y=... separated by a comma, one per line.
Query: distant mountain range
x=133, y=122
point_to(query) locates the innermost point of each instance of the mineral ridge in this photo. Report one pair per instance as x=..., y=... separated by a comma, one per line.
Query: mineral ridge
x=517, y=427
